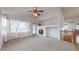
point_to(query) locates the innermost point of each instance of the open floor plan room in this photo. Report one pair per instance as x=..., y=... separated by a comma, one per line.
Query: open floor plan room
x=39, y=29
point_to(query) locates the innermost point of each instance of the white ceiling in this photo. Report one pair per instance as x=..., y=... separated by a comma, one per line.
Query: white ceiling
x=48, y=12
x=18, y=11
x=70, y=12
x=22, y=12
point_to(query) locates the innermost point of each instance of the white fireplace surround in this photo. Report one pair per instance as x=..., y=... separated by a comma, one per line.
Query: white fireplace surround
x=47, y=31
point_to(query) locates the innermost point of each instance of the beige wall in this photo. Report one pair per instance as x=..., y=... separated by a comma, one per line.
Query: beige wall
x=57, y=21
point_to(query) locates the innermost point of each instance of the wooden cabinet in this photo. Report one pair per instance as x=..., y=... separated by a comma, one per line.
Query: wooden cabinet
x=70, y=36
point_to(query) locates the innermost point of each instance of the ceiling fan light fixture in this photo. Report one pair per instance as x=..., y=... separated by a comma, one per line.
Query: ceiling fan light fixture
x=34, y=7
x=35, y=14
x=35, y=11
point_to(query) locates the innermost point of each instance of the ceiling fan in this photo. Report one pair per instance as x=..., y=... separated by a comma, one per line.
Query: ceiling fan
x=35, y=11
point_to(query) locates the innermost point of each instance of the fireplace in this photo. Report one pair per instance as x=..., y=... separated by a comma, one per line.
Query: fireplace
x=41, y=31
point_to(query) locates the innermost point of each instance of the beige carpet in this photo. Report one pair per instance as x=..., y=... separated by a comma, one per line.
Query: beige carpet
x=37, y=43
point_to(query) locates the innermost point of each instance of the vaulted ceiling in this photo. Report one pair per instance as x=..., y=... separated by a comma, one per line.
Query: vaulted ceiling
x=23, y=12
x=71, y=14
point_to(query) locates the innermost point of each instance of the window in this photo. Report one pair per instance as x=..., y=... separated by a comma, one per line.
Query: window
x=19, y=26
x=13, y=26
x=34, y=28
x=77, y=26
x=23, y=27
x=65, y=27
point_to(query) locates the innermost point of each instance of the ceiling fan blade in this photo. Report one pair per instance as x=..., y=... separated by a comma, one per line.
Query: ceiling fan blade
x=35, y=11
x=40, y=11
x=30, y=11
x=38, y=14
